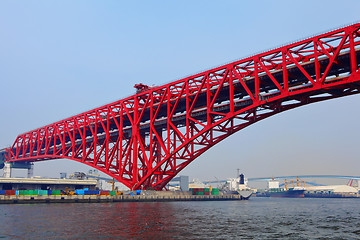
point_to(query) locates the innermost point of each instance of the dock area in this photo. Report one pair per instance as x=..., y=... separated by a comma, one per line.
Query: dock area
x=14, y=199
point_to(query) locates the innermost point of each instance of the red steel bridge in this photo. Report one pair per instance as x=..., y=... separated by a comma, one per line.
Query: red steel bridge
x=145, y=140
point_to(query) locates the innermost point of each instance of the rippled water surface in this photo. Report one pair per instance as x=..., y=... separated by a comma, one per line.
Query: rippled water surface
x=257, y=218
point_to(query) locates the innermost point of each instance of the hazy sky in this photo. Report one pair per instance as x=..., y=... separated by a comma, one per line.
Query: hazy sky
x=61, y=58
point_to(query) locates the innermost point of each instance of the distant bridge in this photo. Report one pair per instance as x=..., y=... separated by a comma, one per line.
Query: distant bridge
x=291, y=177
x=145, y=140
x=306, y=176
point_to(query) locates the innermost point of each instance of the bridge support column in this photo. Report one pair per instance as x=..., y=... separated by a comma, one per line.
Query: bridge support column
x=7, y=170
x=30, y=172
x=184, y=183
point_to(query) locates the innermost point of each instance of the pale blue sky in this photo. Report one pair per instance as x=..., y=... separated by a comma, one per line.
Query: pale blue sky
x=61, y=58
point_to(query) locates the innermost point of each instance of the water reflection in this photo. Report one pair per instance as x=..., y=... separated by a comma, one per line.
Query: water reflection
x=88, y=221
x=137, y=220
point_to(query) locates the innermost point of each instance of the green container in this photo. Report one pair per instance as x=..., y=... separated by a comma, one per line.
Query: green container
x=22, y=192
x=56, y=192
x=29, y=192
x=112, y=193
x=200, y=193
x=215, y=191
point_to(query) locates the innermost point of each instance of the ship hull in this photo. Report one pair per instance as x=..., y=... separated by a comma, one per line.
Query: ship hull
x=245, y=194
x=288, y=194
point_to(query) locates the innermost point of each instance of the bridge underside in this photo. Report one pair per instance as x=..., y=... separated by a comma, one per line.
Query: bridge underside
x=145, y=140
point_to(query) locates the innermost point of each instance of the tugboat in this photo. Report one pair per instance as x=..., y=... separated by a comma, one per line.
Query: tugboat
x=297, y=191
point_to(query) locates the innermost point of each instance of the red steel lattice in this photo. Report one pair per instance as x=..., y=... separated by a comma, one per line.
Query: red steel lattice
x=144, y=140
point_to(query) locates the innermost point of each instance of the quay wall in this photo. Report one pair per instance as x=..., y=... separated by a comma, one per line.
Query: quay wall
x=17, y=199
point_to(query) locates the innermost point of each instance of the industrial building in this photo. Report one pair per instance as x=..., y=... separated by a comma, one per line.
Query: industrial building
x=332, y=190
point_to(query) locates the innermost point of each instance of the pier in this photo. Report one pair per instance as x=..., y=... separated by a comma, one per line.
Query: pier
x=17, y=199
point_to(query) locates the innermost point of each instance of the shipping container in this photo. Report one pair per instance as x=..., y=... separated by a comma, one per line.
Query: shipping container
x=24, y=192
x=104, y=193
x=2, y=192
x=56, y=192
x=42, y=192
x=10, y=192
x=112, y=193
x=79, y=192
x=91, y=192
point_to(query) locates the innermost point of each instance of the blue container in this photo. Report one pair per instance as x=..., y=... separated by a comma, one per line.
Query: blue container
x=2, y=192
x=43, y=192
x=96, y=192
x=86, y=189
x=91, y=192
x=138, y=192
x=49, y=192
x=80, y=192
x=17, y=192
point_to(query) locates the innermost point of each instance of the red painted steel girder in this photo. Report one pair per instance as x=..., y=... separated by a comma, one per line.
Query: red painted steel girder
x=144, y=140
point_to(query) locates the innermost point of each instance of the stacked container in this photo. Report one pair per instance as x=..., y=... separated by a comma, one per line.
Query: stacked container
x=205, y=191
x=215, y=191
x=198, y=191
x=40, y=192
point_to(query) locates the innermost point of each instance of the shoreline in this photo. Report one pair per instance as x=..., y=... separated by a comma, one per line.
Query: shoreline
x=16, y=199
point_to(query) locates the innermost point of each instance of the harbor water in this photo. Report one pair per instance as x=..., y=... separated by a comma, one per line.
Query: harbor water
x=257, y=218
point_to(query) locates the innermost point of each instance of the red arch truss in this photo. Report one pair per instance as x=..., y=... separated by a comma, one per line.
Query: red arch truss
x=144, y=140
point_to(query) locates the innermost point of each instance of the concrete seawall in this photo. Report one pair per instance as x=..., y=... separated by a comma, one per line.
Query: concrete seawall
x=14, y=199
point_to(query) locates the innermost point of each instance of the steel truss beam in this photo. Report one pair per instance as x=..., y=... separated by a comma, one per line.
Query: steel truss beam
x=145, y=140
